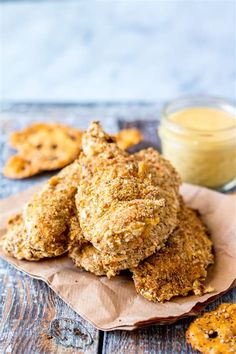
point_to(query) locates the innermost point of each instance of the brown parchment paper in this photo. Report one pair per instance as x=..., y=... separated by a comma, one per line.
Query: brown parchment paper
x=114, y=304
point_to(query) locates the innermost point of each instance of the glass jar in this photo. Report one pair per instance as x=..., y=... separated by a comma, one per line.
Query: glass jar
x=198, y=135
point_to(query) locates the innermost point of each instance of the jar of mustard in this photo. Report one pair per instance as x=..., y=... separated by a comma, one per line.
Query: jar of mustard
x=198, y=136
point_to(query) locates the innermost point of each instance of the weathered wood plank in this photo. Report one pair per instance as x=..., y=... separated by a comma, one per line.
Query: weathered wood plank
x=27, y=308
x=156, y=339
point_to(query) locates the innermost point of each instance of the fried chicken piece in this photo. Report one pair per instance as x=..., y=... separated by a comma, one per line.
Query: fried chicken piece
x=13, y=242
x=181, y=266
x=90, y=259
x=79, y=250
x=120, y=205
x=43, y=229
x=164, y=176
x=85, y=255
x=47, y=215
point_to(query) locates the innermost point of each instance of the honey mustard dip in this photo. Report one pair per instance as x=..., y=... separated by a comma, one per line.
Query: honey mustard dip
x=198, y=136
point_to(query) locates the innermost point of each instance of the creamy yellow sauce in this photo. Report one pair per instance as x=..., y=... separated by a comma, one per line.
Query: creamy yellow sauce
x=203, y=150
x=204, y=119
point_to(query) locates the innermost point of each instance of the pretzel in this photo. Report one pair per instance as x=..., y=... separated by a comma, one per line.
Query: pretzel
x=42, y=147
x=215, y=331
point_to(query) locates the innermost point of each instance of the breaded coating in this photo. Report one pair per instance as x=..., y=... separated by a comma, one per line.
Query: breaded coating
x=44, y=228
x=14, y=242
x=85, y=255
x=215, y=331
x=164, y=176
x=120, y=205
x=75, y=236
x=181, y=266
x=47, y=215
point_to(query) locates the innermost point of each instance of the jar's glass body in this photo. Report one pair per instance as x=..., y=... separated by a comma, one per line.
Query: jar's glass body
x=202, y=157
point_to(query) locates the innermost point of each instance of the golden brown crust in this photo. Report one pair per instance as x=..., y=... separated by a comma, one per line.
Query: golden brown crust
x=120, y=202
x=44, y=228
x=181, y=266
x=84, y=254
x=14, y=242
x=17, y=167
x=215, y=331
x=75, y=237
x=87, y=257
x=47, y=215
x=164, y=176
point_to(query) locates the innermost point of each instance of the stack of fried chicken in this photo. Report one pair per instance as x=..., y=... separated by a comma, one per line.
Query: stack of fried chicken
x=112, y=211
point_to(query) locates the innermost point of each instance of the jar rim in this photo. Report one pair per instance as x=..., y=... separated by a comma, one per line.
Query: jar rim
x=223, y=104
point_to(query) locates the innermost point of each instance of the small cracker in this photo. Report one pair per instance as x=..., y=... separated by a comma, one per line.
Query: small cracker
x=215, y=331
x=48, y=146
x=17, y=167
x=126, y=138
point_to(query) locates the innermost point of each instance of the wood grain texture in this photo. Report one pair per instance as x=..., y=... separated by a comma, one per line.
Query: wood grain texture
x=28, y=306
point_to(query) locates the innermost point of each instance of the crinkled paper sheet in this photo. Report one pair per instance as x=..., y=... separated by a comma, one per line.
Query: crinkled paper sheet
x=114, y=304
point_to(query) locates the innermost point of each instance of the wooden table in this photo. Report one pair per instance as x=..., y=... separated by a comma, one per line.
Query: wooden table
x=28, y=306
